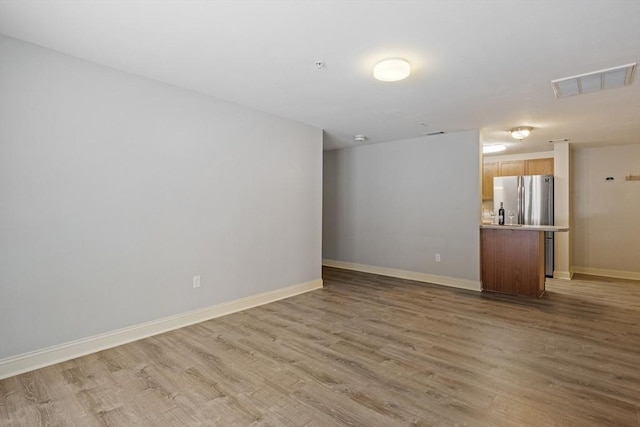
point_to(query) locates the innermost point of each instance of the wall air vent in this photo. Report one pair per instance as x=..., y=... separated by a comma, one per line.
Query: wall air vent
x=594, y=81
x=440, y=132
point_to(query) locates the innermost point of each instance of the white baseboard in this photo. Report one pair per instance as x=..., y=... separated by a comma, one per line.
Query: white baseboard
x=49, y=356
x=564, y=275
x=453, y=282
x=617, y=274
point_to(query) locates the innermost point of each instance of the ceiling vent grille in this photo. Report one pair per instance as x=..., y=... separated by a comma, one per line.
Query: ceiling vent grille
x=594, y=81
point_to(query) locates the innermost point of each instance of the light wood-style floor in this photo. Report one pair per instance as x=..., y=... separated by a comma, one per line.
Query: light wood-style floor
x=365, y=350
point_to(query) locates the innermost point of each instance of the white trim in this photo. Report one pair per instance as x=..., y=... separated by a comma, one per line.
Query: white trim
x=564, y=275
x=453, y=282
x=26, y=362
x=617, y=274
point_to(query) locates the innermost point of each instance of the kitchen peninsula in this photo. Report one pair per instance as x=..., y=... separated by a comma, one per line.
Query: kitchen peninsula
x=512, y=258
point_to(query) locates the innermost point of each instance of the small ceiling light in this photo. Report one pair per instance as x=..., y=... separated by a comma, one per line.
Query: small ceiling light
x=521, y=132
x=359, y=138
x=392, y=70
x=494, y=148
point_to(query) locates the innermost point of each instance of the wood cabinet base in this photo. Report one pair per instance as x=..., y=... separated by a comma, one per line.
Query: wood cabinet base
x=513, y=262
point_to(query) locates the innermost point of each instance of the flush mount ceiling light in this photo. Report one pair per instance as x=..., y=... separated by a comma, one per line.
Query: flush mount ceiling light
x=591, y=82
x=392, y=70
x=521, y=133
x=493, y=148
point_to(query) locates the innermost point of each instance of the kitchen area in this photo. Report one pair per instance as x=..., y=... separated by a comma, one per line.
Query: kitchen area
x=517, y=230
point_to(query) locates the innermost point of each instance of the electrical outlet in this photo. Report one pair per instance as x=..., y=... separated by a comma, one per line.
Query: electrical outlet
x=196, y=281
x=437, y=257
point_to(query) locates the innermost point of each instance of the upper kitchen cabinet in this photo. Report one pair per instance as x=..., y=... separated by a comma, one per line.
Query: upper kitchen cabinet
x=489, y=170
x=539, y=167
x=512, y=168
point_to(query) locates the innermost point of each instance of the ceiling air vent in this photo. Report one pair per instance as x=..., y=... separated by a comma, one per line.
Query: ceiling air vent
x=440, y=132
x=594, y=81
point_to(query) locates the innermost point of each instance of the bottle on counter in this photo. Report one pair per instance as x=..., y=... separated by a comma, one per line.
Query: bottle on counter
x=501, y=215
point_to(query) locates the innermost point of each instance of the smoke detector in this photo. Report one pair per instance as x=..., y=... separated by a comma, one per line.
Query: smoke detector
x=359, y=138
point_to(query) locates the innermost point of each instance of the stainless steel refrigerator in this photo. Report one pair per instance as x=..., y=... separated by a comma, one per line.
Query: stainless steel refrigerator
x=530, y=199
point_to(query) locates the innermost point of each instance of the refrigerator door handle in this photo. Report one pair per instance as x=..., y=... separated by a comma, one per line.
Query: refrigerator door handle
x=520, y=200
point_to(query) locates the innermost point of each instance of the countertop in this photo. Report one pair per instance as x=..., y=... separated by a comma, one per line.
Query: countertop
x=553, y=228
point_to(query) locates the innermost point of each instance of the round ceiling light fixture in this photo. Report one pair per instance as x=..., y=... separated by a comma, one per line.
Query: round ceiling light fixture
x=521, y=132
x=392, y=70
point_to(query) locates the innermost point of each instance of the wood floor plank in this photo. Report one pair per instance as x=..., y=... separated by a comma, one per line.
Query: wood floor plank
x=366, y=350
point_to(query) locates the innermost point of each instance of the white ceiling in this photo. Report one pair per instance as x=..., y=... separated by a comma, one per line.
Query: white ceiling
x=476, y=64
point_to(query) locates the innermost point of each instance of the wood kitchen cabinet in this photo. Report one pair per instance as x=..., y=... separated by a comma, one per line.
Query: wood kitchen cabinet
x=512, y=262
x=511, y=168
x=539, y=167
x=512, y=258
x=489, y=170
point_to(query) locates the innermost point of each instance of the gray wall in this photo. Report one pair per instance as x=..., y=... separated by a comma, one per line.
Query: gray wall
x=115, y=190
x=605, y=236
x=395, y=205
